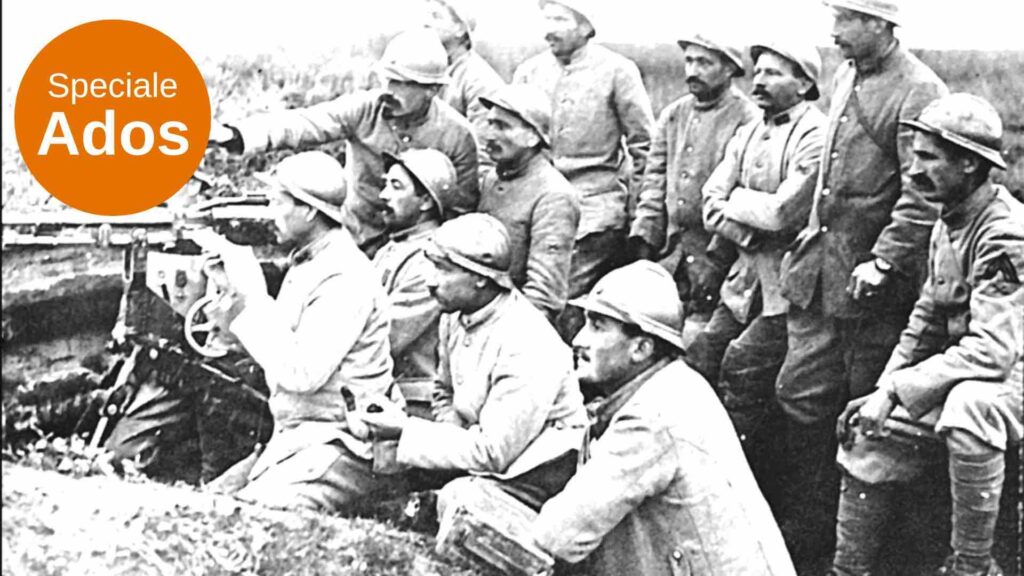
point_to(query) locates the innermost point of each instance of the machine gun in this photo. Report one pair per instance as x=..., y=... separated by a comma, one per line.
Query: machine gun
x=162, y=334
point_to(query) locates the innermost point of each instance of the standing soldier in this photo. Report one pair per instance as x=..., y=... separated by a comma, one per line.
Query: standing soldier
x=959, y=367
x=417, y=187
x=470, y=76
x=758, y=198
x=857, y=267
x=406, y=114
x=597, y=101
x=665, y=489
x=689, y=141
x=537, y=205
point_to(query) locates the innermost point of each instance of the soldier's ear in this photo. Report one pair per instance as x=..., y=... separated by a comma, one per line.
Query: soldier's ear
x=642, y=348
x=970, y=163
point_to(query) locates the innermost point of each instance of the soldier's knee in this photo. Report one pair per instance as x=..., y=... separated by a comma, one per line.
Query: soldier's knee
x=965, y=444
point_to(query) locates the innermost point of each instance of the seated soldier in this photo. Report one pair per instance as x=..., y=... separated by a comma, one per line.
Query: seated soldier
x=666, y=489
x=417, y=188
x=507, y=405
x=959, y=366
x=326, y=331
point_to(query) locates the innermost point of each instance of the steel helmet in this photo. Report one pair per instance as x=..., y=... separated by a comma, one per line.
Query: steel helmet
x=527, y=102
x=643, y=294
x=432, y=169
x=730, y=53
x=415, y=56
x=888, y=11
x=476, y=242
x=967, y=121
x=804, y=56
x=581, y=8
x=315, y=178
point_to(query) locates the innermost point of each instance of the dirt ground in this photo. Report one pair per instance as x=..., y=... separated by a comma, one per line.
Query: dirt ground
x=57, y=524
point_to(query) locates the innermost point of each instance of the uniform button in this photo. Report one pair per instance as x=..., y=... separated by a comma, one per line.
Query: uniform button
x=824, y=228
x=844, y=118
x=825, y=192
x=677, y=555
x=856, y=87
x=685, y=175
x=835, y=155
x=690, y=259
x=940, y=281
x=689, y=148
x=759, y=164
x=680, y=202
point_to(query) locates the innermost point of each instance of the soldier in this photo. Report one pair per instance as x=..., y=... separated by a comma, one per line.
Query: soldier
x=507, y=405
x=470, y=76
x=597, y=101
x=959, y=366
x=689, y=141
x=758, y=198
x=417, y=187
x=537, y=205
x=326, y=331
x=856, y=268
x=666, y=489
x=406, y=114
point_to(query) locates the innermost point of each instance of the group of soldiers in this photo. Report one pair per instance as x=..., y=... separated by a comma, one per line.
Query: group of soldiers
x=533, y=252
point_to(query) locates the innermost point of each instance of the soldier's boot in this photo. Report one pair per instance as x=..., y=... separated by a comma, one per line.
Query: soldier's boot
x=976, y=473
x=864, y=513
x=808, y=517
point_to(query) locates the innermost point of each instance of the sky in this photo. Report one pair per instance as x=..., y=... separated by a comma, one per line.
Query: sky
x=302, y=30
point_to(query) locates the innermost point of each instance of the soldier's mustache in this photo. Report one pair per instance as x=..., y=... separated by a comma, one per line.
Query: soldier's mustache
x=921, y=181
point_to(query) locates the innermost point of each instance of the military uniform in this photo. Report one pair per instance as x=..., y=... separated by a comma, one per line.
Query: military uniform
x=757, y=198
x=404, y=271
x=362, y=121
x=504, y=404
x=541, y=212
x=328, y=328
x=597, y=100
x=959, y=364
x=665, y=491
x=690, y=140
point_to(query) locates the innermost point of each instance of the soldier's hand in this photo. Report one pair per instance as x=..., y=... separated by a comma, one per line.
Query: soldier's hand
x=241, y=269
x=705, y=278
x=848, y=420
x=385, y=420
x=866, y=281
x=873, y=413
x=638, y=249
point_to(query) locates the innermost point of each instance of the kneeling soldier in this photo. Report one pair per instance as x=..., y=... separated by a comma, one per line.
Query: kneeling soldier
x=507, y=405
x=959, y=366
x=666, y=488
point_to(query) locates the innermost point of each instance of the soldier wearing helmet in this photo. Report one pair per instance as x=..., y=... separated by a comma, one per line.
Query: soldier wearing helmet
x=406, y=114
x=506, y=403
x=325, y=332
x=757, y=199
x=537, y=205
x=689, y=141
x=601, y=115
x=470, y=76
x=663, y=487
x=956, y=375
x=856, y=267
x=418, y=187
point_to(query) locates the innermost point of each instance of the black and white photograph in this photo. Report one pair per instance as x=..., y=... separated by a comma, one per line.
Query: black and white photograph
x=523, y=287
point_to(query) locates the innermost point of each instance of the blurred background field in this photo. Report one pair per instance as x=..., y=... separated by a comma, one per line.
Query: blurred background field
x=243, y=85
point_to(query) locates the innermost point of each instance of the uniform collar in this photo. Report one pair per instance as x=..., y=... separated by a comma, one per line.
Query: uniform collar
x=967, y=209
x=792, y=114
x=870, y=66
x=307, y=252
x=520, y=170
x=491, y=310
x=607, y=409
x=414, y=232
x=576, y=58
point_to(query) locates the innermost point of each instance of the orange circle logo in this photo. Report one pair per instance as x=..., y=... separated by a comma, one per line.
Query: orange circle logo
x=112, y=117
